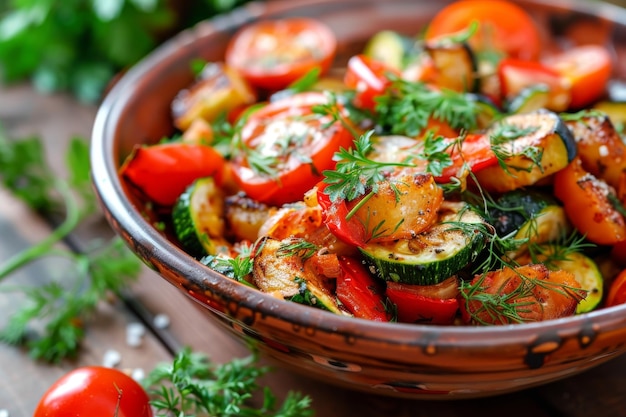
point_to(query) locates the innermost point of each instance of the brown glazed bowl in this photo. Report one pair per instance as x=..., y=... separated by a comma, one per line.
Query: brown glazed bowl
x=417, y=361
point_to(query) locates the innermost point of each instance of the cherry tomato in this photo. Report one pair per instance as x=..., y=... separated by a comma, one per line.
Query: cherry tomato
x=503, y=26
x=586, y=70
x=93, y=392
x=296, y=146
x=272, y=54
x=369, y=78
x=587, y=206
x=432, y=304
x=516, y=75
x=359, y=292
x=617, y=290
x=162, y=172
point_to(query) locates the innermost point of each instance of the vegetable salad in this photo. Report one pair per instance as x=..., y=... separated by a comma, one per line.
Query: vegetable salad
x=463, y=176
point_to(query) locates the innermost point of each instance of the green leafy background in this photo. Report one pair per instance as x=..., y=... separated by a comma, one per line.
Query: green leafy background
x=79, y=45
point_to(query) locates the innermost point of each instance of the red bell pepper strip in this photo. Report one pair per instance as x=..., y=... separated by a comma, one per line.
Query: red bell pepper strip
x=413, y=307
x=162, y=172
x=369, y=78
x=359, y=292
x=475, y=153
x=334, y=214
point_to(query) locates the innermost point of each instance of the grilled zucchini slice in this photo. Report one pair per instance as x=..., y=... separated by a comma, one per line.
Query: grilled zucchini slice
x=530, y=147
x=434, y=255
x=198, y=219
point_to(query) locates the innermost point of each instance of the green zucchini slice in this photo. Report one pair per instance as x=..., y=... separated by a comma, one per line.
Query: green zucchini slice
x=531, y=215
x=198, y=219
x=389, y=47
x=434, y=255
x=532, y=98
x=530, y=146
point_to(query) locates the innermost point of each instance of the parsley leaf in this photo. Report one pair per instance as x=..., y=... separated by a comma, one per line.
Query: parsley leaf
x=192, y=385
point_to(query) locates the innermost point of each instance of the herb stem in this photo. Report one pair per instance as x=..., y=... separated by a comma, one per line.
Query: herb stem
x=359, y=205
x=43, y=247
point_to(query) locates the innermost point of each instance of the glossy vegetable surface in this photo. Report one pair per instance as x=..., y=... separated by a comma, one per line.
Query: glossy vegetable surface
x=94, y=392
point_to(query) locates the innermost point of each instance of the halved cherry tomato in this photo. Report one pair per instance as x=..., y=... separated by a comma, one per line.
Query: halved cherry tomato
x=431, y=304
x=515, y=75
x=503, y=26
x=163, y=171
x=272, y=54
x=586, y=70
x=359, y=292
x=587, y=206
x=617, y=290
x=296, y=145
x=94, y=391
x=369, y=78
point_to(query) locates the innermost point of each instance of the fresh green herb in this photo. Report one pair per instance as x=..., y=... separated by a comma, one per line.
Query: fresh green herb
x=297, y=247
x=502, y=138
x=192, y=385
x=407, y=108
x=79, y=45
x=581, y=115
x=355, y=174
x=435, y=148
x=238, y=268
x=558, y=251
x=103, y=269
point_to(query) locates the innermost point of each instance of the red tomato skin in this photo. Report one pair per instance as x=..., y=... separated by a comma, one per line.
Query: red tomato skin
x=586, y=70
x=94, y=391
x=617, y=291
x=243, y=54
x=514, y=31
x=297, y=177
x=162, y=172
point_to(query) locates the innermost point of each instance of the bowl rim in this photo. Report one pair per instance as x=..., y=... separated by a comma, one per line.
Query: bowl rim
x=128, y=221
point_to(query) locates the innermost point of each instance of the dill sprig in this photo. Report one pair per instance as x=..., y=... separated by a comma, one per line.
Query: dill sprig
x=299, y=247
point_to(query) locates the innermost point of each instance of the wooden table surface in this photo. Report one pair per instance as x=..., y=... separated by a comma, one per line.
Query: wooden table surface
x=600, y=391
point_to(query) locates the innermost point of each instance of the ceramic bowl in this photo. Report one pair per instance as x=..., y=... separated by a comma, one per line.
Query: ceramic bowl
x=418, y=361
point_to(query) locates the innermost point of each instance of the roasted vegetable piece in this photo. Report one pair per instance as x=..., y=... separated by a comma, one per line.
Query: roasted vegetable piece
x=425, y=304
x=530, y=147
x=198, y=219
x=587, y=202
x=244, y=217
x=271, y=54
x=524, y=294
x=285, y=146
x=600, y=148
x=584, y=269
x=218, y=90
x=434, y=254
x=162, y=172
x=359, y=293
x=283, y=272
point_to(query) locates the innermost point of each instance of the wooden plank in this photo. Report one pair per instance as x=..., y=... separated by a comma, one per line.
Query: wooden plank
x=22, y=380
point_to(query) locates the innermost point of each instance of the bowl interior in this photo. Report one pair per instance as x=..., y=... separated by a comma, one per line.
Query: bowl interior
x=137, y=111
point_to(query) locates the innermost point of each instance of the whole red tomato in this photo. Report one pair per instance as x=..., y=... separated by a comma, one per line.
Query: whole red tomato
x=94, y=391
